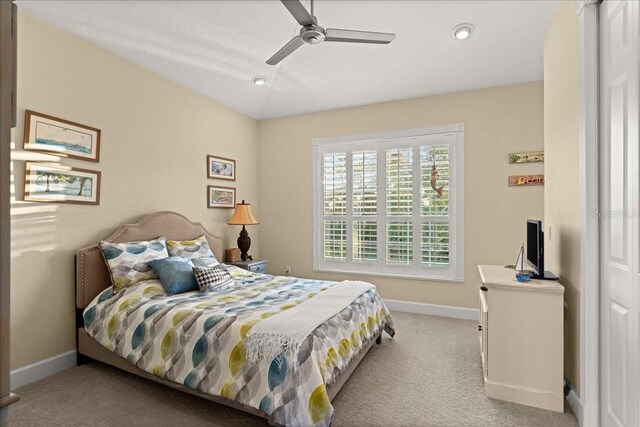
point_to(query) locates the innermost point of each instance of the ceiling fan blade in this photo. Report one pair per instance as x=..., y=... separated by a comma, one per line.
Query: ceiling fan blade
x=286, y=50
x=299, y=12
x=353, y=36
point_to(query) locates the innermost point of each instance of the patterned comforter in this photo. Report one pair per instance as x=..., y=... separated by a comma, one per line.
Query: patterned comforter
x=197, y=339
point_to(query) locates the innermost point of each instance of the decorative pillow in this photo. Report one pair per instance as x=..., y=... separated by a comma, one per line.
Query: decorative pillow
x=175, y=274
x=195, y=248
x=129, y=262
x=205, y=262
x=210, y=278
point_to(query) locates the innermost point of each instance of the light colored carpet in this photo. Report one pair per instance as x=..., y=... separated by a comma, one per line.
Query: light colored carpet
x=429, y=374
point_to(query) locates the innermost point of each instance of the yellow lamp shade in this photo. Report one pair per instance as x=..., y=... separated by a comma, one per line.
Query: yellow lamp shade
x=242, y=215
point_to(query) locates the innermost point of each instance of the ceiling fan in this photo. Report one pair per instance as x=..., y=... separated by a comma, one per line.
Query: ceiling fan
x=312, y=33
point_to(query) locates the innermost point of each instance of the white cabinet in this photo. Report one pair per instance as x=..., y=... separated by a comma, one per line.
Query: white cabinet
x=521, y=338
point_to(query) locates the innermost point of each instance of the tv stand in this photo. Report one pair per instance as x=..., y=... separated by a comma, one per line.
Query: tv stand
x=546, y=276
x=521, y=338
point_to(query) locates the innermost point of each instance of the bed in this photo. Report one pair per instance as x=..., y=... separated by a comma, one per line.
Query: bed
x=194, y=342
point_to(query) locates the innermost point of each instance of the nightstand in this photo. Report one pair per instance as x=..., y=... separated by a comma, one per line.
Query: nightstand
x=255, y=266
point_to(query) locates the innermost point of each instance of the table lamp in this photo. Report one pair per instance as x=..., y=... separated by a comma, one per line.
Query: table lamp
x=243, y=216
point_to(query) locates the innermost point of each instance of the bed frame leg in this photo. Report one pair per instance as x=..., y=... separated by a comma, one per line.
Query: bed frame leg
x=379, y=339
x=81, y=359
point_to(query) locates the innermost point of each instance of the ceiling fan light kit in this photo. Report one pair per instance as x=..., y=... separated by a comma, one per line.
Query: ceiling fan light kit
x=312, y=33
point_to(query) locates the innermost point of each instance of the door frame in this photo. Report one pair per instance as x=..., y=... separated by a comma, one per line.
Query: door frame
x=588, y=411
x=8, y=79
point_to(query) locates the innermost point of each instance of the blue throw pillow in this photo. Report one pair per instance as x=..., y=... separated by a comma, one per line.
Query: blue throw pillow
x=176, y=274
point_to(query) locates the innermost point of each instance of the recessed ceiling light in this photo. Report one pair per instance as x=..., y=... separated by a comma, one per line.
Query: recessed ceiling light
x=462, y=31
x=259, y=80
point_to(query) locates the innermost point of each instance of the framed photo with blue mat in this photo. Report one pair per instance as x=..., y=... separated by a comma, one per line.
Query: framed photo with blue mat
x=61, y=137
x=221, y=168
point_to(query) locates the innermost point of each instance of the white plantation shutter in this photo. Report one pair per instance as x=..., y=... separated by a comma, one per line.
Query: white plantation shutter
x=400, y=243
x=381, y=209
x=434, y=207
x=335, y=240
x=399, y=173
x=431, y=203
x=434, y=247
x=365, y=241
x=365, y=183
x=334, y=200
x=334, y=178
x=364, y=196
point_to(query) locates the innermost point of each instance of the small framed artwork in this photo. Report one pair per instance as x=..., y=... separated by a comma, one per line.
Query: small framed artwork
x=529, y=157
x=44, y=182
x=221, y=197
x=62, y=137
x=221, y=168
x=525, y=180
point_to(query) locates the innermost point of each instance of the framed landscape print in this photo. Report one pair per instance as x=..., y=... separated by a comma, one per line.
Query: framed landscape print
x=221, y=197
x=62, y=137
x=221, y=168
x=44, y=182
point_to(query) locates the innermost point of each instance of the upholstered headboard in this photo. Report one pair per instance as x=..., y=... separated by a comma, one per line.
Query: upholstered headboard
x=92, y=275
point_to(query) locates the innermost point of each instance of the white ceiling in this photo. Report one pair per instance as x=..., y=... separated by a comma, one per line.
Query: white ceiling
x=216, y=47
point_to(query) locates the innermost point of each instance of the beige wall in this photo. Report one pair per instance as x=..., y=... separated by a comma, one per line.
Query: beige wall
x=155, y=138
x=561, y=167
x=497, y=121
x=156, y=135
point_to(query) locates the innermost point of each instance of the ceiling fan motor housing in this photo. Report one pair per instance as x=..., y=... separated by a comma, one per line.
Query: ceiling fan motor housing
x=312, y=34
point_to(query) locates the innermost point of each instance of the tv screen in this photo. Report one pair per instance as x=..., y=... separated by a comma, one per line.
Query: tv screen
x=534, y=245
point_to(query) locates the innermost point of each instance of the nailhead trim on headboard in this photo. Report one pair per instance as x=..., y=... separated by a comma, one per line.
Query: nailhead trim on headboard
x=82, y=280
x=121, y=231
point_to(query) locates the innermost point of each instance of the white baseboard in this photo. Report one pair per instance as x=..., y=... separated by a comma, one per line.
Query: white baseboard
x=525, y=396
x=41, y=369
x=575, y=404
x=433, y=309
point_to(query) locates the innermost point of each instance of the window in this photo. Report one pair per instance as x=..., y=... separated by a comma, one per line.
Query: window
x=391, y=203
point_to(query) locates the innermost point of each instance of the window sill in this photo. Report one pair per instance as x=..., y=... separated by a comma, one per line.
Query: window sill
x=394, y=275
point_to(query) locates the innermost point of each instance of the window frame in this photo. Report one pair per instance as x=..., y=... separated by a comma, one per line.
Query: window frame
x=384, y=140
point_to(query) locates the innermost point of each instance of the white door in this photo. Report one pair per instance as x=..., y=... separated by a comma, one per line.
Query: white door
x=619, y=159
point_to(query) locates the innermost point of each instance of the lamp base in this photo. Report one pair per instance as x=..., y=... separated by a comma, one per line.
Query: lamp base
x=244, y=243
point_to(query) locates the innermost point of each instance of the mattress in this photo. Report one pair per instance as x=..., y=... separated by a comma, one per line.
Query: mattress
x=198, y=340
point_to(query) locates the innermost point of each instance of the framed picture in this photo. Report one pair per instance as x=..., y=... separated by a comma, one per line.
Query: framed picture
x=44, y=182
x=525, y=180
x=219, y=167
x=62, y=137
x=529, y=157
x=221, y=197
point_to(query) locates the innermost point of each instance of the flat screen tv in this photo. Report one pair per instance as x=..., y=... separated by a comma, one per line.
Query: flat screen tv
x=535, y=250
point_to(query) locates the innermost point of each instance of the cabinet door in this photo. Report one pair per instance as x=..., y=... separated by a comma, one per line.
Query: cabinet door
x=484, y=333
